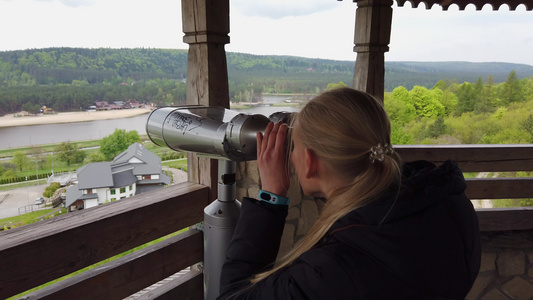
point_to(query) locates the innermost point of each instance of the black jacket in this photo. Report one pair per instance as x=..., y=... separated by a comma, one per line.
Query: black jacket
x=427, y=247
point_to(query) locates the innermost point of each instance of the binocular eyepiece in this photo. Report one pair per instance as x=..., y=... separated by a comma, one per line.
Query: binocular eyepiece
x=214, y=132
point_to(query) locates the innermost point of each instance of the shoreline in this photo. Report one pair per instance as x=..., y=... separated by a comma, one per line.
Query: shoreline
x=70, y=117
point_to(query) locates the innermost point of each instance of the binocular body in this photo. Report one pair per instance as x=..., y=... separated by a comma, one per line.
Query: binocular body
x=214, y=132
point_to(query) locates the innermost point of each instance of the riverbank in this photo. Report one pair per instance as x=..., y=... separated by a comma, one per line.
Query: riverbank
x=12, y=120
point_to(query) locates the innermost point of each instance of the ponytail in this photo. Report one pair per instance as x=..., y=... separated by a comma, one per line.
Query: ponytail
x=343, y=127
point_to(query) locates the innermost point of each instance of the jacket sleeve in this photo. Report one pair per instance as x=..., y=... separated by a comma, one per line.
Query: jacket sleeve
x=254, y=245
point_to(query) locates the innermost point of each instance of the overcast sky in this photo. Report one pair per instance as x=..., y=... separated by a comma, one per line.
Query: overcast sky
x=308, y=28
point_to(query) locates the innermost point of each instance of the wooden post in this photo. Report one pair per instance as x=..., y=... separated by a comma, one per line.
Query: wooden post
x=206, y=28
x=373, y=22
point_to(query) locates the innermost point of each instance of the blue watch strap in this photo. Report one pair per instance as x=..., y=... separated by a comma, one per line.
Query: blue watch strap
x=273, y=198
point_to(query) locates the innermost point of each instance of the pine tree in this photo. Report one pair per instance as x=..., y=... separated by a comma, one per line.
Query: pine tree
x=512, y=89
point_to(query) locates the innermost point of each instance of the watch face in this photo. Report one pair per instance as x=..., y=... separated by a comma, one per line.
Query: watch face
x=266, y=196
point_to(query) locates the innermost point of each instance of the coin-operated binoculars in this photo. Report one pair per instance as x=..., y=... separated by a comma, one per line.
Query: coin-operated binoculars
x=219, y=133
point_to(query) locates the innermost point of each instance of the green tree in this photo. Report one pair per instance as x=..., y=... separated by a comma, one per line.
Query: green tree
x=512, y=89
x=117, y=142
x=399, y=107
x=445, y=84
x=527, y=88
x=31, y=108
x=51, y=189
x=401, y=94
x=38, y=155
x=425, y=102
x=527, y=125
x=488, y=100
x=478, y=92
x=96, y=157
x=441, y=85
x=20, y=159
x=478, y=87
x=437, y=128
x=69, y=153
x=448, y=99
x=399, y=136
x=335, y=85
x=8, y=174
x=466, y=98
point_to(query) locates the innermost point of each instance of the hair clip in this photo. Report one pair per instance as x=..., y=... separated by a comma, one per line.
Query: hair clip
x=378, y=152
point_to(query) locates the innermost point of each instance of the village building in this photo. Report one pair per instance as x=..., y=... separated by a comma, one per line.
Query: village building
x=132, y=172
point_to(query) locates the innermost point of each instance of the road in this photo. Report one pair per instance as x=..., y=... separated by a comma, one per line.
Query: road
x=484, y=203
x=178, y=175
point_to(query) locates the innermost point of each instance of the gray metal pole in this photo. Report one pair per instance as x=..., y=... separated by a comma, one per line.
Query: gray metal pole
x=220, y=219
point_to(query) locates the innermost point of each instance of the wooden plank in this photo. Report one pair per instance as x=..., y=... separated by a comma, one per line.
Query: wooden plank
x=38, y=253
x=499, y=188
x=504, y=219
x=127, y=275
x=474, y=158
x=190, y=286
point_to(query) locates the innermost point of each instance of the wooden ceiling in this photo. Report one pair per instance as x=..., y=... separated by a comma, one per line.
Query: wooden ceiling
x=462, y=4
x=495, y=4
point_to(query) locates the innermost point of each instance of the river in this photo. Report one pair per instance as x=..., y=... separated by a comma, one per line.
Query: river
x=23, y=136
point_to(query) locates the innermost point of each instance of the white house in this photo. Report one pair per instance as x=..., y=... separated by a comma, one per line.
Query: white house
x=133, y=171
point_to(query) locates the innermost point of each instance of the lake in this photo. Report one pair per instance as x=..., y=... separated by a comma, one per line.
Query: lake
x=22, y=136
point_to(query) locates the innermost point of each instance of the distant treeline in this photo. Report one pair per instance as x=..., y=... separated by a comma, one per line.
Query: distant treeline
x=69, y=79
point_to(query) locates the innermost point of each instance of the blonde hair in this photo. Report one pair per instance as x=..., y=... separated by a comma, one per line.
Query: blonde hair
x=340, y=126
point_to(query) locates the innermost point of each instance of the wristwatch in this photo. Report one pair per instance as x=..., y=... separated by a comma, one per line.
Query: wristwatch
x=273, y=198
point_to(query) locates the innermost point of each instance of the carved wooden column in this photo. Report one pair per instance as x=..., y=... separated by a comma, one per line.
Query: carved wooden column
x=373, y=22
x=206, y=28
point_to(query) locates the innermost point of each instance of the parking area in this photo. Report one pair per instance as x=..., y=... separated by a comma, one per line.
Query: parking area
x=12, y=200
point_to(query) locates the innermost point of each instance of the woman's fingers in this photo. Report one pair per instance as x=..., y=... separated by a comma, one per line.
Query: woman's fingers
x=281, y=137
x=262, y=141
x=271, y=158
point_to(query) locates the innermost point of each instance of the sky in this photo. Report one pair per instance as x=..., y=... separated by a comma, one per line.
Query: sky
x=307, y=28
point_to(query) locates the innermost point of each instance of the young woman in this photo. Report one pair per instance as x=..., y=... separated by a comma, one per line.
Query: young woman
x=386, y=231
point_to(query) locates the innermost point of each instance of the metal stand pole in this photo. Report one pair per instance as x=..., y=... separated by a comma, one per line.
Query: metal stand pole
x=220, y=219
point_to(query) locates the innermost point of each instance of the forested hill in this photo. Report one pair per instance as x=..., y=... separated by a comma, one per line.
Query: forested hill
x=427, y=74
x=64, y=65
x=73, y=78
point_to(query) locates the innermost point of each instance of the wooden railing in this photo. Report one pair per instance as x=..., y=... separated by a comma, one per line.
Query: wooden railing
x=487, y=158
x=38, y=253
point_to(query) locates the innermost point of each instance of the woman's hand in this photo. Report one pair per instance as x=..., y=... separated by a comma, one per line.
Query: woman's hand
x=272, y=159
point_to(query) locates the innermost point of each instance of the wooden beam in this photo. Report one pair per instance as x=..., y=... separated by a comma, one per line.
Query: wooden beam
x=373, y=23
x=206, y=28
x=41, y=252
x=125, y=276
